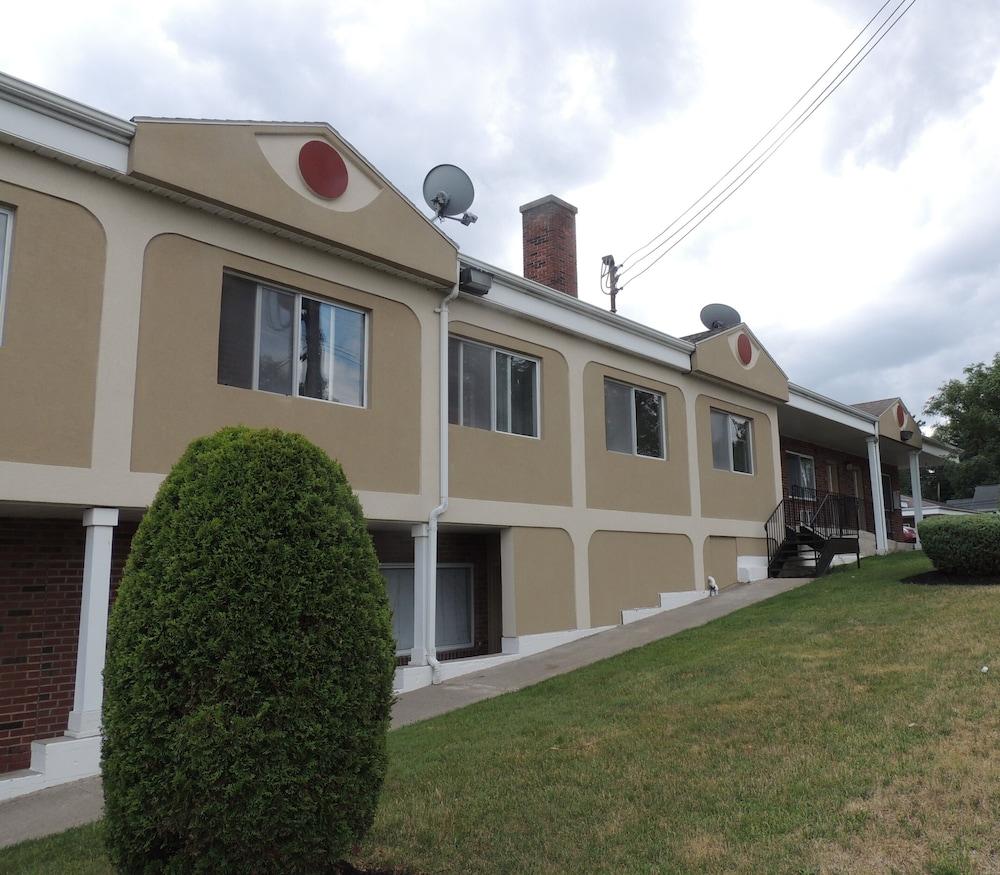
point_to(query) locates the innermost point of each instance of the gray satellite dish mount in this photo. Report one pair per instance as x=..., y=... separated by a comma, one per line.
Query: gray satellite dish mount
x=719, y=316
x=449, y=192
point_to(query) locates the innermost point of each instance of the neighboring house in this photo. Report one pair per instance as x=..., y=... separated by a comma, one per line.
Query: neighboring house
x=931, y=508
x=533, y=467
x=985, y=499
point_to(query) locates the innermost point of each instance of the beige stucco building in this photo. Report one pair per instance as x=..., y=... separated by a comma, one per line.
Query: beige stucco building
x=532, y=468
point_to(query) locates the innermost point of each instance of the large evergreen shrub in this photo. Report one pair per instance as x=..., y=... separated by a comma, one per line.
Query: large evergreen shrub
x=963, y=544
x=249, y=673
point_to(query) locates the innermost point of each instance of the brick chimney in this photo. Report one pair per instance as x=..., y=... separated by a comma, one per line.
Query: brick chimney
x=549, y=232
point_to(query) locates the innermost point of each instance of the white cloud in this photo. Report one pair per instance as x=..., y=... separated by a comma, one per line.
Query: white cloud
x=863, y=253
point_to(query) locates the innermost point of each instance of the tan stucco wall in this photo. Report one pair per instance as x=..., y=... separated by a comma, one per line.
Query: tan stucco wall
x=716, y=356
x=889, y=427
x=504, y=467
x=751, y=546
x=720, y=560
x=178, y=398
x=730, y=495
x=48, y=360
x=545, y=600
x=623, y=482
x=630, y=569
x=224, y=163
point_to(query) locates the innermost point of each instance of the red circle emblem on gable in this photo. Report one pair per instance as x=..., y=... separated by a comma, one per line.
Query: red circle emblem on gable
x=322, y=169
x=744, y=349
x=900, y=415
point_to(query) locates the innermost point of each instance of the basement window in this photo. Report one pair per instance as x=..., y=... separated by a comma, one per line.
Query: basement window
x=633, y=420
x=732, y=442
x=492, y=388
x=453, y=620
x=6, y=232
x=281, y=341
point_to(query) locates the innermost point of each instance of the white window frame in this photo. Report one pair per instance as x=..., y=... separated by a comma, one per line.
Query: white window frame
x=811, y=459
x=261, y=285
x=730, y=417
x=5, y=250
x=493, y=387
x=635, y=431
x=472, y=603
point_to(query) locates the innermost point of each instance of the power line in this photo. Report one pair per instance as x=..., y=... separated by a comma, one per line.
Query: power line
x=737, y=183
x=767, y=133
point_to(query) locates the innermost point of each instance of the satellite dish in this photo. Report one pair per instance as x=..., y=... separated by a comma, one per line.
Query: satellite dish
x=449, y=192
x=719, y=316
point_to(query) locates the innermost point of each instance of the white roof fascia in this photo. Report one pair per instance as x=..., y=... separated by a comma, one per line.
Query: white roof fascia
x=812, y=402
x=34, y=116
x=531, y=300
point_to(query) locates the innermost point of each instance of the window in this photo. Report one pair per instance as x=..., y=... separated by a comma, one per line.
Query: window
x=732, y=442
x=801, y=475
x=6, y=231
x=633, y=420
x=260, y=327
x=491, y=388
x=453, y=624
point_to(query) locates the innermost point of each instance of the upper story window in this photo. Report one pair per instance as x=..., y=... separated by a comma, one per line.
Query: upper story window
x=633, y=420
x=492, y=388
x=732, y=442
x=6, y=231
x=801, y=475
x=262, y=327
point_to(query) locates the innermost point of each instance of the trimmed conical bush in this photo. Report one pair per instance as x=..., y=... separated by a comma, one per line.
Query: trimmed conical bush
x=249, y=675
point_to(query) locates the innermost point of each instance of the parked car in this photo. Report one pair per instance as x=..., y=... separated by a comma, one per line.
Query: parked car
x=909, y=535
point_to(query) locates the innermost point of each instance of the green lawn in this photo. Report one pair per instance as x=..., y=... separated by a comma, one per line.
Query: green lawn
x=842, y=727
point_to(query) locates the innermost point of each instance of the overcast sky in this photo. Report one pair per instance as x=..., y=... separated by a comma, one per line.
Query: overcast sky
x=865, y=254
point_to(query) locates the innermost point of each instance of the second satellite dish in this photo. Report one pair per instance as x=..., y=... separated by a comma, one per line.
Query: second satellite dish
x=449, y=192
x=715, y=316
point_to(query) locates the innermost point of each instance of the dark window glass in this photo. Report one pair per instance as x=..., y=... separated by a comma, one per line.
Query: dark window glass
x=236, y=331
x=522, y=396
x=741, y=446
x=349, y=356
x=720, y=440
x=477, y=394
x=314, y=349
x=648, y=424
x=277, y=316
x=503, y=387
x=618, y=417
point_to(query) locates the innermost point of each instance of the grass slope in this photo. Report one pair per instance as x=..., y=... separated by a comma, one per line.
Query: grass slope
x=842, y=727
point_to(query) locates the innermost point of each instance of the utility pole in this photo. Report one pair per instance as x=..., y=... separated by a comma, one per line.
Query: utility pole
x=610, y=270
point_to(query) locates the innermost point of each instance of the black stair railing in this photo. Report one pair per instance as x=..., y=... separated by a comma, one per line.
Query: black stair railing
x=805, y=515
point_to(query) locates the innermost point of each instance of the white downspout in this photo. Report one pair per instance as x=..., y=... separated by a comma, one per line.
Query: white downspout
x=430, y=605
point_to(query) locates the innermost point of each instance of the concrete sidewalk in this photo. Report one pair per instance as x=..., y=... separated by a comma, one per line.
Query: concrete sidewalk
x=59, y=808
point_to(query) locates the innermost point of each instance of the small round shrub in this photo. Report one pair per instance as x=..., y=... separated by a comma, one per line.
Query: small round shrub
x=248, y=682
x=963, y=544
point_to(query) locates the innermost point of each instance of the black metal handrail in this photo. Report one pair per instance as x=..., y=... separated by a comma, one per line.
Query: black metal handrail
x=804, y=510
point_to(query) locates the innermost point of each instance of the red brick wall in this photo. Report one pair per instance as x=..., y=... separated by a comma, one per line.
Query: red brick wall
x=41, y=581
x=548, y=228
x=845, y=479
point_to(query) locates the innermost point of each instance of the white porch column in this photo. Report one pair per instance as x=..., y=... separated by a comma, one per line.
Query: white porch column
x=878, y=501
x=85, y=718
x=418, y=655
x=917, y=494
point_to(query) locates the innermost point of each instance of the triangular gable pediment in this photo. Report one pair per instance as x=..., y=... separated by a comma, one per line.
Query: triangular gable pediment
x=895, y=420
x=736, y=356
x=303, y=177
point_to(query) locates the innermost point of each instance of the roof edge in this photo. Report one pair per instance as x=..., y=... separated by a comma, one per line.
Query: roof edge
x=568, y=302
x=63, y=109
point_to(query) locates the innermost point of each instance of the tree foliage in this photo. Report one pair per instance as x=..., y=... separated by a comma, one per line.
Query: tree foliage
x=249, y=673
x=970, y=408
